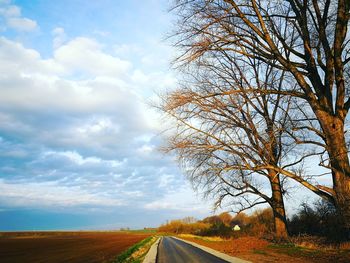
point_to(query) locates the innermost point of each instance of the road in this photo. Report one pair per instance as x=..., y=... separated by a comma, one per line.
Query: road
x=171, y=250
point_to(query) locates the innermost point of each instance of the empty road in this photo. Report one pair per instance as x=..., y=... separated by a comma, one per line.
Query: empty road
x=171, y=250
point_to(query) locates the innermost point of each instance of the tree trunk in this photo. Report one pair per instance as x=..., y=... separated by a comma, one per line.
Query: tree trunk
x=333, y=128
x=343, y=201
x=279, y=213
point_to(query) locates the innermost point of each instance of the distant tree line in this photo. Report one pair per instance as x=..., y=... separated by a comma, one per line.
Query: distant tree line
x=258, y=224
x=319, y=220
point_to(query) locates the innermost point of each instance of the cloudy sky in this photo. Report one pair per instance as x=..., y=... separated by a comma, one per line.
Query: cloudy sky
x=78, y=143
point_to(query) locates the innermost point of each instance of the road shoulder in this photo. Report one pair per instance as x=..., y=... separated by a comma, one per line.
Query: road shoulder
x=151, y=256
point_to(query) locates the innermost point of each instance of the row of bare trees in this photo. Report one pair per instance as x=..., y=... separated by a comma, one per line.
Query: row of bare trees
x=264, y=90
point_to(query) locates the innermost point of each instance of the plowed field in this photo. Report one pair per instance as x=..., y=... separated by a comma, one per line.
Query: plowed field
x=65, y=246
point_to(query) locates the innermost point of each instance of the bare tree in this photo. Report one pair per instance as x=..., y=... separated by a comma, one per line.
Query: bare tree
x=231, y=133
x=307, y=40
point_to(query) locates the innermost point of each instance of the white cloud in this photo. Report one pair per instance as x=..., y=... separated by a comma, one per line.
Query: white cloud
x=85, y=55
x=159, y=205
x=50, y=194
x=102, y=113
x=31, y=82
x=145, y=149
x=183, y=199
x=20, y=64
x=10, y=123
x=98, y=126
x=59, y=37
x=166, y=179
x=76, y=158
x=22, y=24
x=14, y=19
x=82, y=118
x=10, y=11
x=76, y=130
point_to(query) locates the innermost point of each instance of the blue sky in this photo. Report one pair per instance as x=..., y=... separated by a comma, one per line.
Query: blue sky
x=78, y=141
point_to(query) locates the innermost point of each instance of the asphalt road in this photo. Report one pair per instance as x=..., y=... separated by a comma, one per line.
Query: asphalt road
x=171, y=250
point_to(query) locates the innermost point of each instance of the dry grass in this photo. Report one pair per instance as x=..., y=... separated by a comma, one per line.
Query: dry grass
x=345, y=245
x=137, y=252
x=142, y=251
x=260, y=250
x=203, y=237
x=314, y=242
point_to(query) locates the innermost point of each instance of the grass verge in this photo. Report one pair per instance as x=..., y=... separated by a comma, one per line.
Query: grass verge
x=259, y=251
x=293, y=250
x=137, y=252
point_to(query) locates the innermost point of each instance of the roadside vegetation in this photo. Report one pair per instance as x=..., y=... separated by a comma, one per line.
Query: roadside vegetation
x=314, y=235
x=259, y=224
x=137, y=252
x=316, y=223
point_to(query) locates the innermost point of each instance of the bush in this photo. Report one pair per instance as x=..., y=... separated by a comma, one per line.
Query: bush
x=180, y=227
x=217, y=229
x=320, y=220
x=219, y=225
x=259, y=224
x=240, y=219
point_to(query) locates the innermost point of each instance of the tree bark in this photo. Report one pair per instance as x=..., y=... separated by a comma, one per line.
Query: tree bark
x=333, y=127
x=280, y=222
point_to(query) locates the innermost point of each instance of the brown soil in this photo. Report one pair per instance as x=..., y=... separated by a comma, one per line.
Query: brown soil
x=65, y=246
x=258, y=250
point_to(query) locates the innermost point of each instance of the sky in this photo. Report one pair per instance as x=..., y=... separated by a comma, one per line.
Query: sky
x=79, y=141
